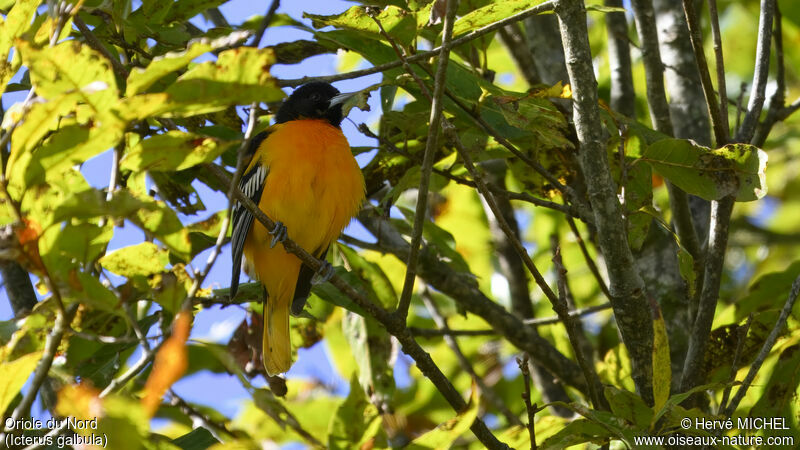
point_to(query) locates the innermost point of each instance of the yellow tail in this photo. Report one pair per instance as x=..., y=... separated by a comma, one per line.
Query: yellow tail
x=277, y=347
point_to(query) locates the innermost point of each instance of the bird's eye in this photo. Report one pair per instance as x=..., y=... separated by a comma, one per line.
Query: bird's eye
x=315, y=97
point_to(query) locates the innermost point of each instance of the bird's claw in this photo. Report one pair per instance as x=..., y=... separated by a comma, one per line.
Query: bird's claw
x=324, y=273
x=278, y=234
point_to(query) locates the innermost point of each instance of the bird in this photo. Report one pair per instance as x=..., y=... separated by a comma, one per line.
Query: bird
x=303, y=176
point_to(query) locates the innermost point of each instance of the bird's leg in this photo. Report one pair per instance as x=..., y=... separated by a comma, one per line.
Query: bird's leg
x=278, y=234
x=323, y=274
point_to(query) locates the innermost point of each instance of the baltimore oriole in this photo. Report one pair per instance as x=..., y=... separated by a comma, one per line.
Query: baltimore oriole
x=303, y=176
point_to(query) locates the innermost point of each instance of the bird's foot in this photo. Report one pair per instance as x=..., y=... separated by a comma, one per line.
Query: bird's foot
x=324, y=273
x=278, y=234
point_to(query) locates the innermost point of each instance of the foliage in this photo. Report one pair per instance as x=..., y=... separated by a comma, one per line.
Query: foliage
x=163, y=97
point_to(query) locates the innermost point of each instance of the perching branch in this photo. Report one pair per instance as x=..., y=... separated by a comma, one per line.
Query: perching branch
x=395, y=327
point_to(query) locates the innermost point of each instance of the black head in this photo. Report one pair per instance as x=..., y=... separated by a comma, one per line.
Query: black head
x=312, y=101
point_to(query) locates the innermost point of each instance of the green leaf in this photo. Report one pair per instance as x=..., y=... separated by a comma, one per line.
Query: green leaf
x=577, y=432
x=14, y=375
x=779, y=398
x=443, y=436
x=491, y=13
x=355, y=422
x=70, y=145
x=140, y=79
x=42, y=118
x=638, y=191
x=144, y=258
x=197, y=439
x=398, y=23
x=535, y=114
x=15, y=24
x=736, y=169
x=662, y=369
x=173, y=150
x=71, y=67
x=183, y=10
x=239, y=76
x=629, y=406
x=686, y=269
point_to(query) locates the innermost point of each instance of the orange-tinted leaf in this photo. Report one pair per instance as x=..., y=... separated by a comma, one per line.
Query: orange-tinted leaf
x=28, y=237
x=170, y=364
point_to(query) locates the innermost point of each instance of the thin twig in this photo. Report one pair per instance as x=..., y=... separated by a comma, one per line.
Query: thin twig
x=446, y=331
x=262, y=28
x=431, y=144
x=538, y=9
x=720, y=62
x=586, y=256
x=721, y=134
x=526, y=398
x=575, y=313
x=765, y=349
x=41, y=371
x=778, y=100
x=575, y=331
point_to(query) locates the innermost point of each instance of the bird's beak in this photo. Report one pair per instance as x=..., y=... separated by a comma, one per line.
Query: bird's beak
x=340, y=99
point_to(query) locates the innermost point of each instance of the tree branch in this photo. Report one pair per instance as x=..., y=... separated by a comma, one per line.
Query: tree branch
x=464, y=290
x=623, y=97
x=394, y=326
x=717, y=243
x=627, y=290
x=761, y=72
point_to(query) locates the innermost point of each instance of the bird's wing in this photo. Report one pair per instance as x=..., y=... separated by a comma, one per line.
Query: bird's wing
x=252, y=185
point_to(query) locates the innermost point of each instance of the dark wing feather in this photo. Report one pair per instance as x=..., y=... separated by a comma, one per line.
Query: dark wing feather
x=303, y=287
x=252, y=185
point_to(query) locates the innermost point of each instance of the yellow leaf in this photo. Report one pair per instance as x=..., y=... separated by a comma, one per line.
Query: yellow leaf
x=14, y=375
